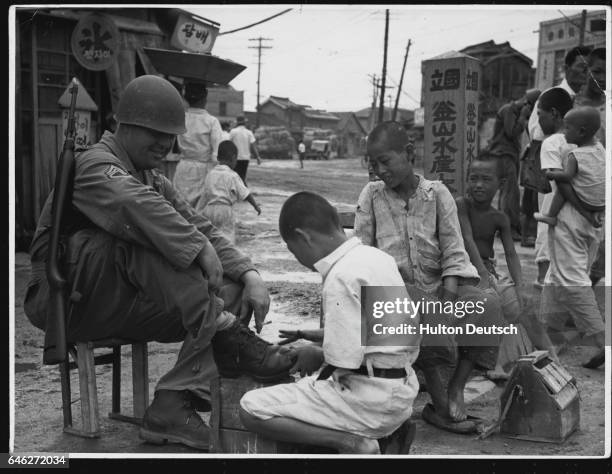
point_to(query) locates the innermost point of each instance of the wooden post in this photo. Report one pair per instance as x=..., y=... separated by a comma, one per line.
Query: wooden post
x=87, y=390
x=451, y=83
x=140, y=378
x=583, y=19
x=399, y=88
x=381, y=109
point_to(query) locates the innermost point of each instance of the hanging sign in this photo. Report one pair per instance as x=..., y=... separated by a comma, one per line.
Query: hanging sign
x=193, y=35
x=95, y=42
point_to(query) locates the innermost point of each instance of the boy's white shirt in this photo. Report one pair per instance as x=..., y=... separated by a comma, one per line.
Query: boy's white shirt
x=344, y=271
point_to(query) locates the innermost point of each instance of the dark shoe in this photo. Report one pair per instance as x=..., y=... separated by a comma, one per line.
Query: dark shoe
x=516, y=235
x=597, y=360
x=171, y=418
x=400, y=440
x=239, y=351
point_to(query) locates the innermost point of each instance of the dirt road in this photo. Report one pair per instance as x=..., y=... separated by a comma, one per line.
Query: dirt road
x=295, y=303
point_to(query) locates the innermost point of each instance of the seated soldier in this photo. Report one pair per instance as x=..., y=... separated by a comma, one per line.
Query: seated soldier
x=365, y=392
x=143, y=265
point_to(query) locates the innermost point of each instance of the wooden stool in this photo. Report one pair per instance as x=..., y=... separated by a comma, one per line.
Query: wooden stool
x=227, y=434
x=85, y=361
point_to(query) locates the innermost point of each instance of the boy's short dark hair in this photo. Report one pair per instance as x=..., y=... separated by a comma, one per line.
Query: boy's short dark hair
x=396, y=135
x=556, y=98
x=227, y=151
x=486, y=157
x=597, y=53
x=573, y=53
x=306, y=210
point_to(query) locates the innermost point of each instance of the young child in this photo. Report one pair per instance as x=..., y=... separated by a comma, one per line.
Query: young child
x=223, y=188
x=480, y=223
x=415, y=221
x=584, y=170
x=370, y=391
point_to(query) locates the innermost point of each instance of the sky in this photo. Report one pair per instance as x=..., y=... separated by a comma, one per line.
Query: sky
x=323, y=55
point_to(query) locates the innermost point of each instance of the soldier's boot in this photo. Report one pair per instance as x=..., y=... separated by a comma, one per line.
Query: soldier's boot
x=238, y=351
x=171, y=418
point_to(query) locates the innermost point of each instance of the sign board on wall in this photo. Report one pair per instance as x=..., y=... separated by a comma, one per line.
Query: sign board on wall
x=193, y=35
x=450, y=97
x=95, y=41
x=82, y=125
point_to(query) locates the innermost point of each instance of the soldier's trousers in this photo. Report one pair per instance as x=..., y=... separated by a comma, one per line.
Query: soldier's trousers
x=123, y=290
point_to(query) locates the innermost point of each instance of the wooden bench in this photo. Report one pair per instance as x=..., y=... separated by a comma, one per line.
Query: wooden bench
x=227, y=433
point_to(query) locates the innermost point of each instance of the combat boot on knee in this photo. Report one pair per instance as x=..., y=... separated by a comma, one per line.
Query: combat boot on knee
x=238, y=351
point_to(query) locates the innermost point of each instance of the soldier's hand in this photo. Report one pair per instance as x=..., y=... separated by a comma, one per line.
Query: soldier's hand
x=211, y=265
x=255, y=300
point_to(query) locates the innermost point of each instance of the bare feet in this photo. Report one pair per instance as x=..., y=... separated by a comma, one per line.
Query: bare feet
x=456, y=404
x=359, y=445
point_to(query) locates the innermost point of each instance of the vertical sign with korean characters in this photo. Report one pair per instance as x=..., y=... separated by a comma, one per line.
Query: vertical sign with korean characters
x=450, y=100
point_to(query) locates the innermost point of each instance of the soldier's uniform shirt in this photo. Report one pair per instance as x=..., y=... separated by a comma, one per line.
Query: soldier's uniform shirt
x=131, y=268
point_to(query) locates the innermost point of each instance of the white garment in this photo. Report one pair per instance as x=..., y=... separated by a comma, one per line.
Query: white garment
x=345, y=271
x=225, y=136
x=535, y=131
x=590, y=180
x=373, y=407
x=201, y=140
x=242, y=138
x=552, y=156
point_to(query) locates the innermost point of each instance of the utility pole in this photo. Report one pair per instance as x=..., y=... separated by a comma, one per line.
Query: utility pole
x=399, y=88
x=583, y=19
x=259, y=47
x=381, y=110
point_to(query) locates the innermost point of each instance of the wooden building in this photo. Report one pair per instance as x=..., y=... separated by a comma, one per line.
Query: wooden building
x=50, y=52
x=225, y=103
x=295, y=116
x=506, y=75
x=351, y=135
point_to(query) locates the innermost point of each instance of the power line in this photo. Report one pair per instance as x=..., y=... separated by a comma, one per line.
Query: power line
x=259, y=47
x=255, y=24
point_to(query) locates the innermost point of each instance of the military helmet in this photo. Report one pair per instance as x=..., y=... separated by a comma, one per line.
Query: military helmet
x=152, y=102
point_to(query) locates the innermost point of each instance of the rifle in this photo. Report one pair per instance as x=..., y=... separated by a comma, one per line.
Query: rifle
x=62, y=197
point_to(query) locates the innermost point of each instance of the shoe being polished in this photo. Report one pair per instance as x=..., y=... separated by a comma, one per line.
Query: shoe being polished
x=171, y=418
x=238, y=351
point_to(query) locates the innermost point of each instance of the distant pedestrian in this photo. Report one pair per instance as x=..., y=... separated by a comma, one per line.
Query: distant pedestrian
x=198, y=146
x=244, y=140
x=222, y=189
x=510, y=123
x=225, y=129
x=301, y=153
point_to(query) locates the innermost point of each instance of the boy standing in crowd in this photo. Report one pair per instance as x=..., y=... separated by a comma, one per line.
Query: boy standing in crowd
x=415, y=221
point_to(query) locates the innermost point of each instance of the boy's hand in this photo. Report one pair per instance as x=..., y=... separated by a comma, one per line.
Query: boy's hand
x=309, y=359
x=258, y=160
x=549, y=175
x=258, y=209
x=289, y=336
